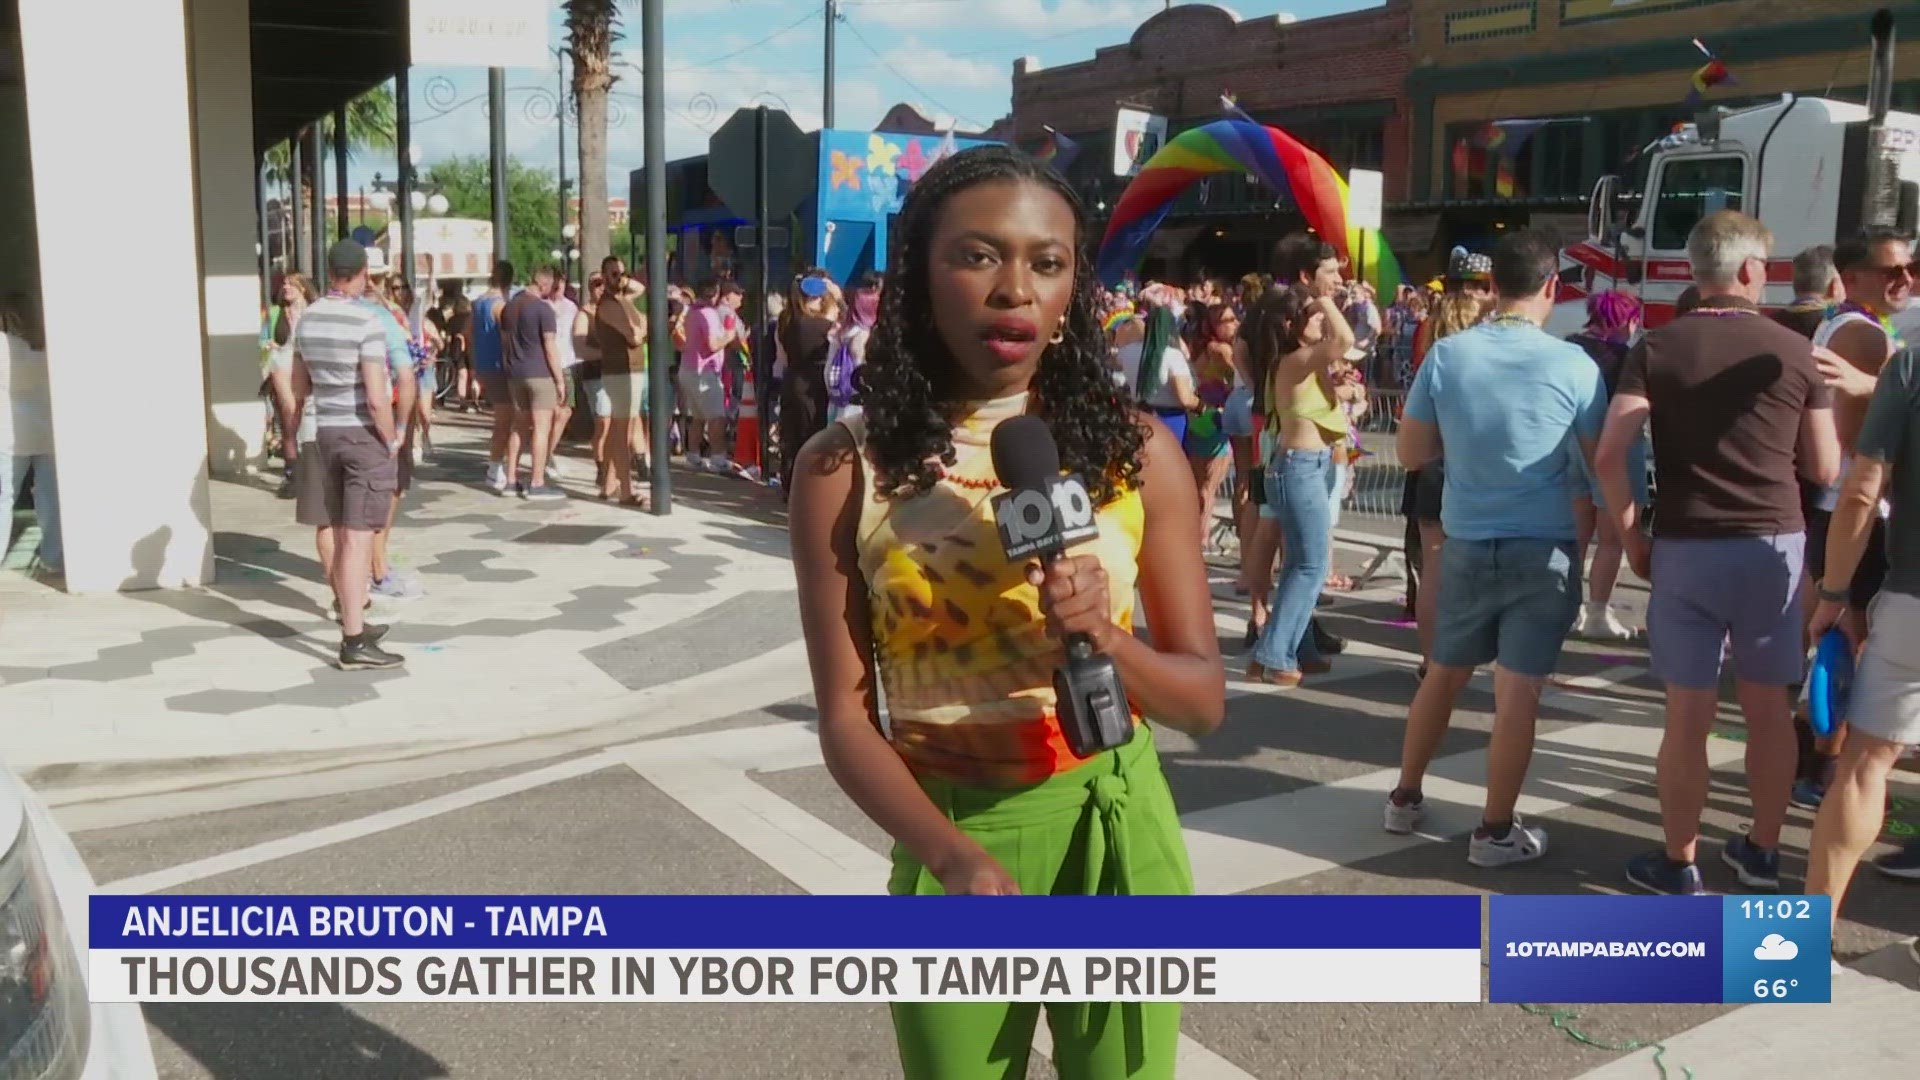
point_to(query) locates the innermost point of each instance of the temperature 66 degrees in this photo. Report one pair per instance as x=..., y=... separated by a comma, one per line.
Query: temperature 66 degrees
x=1776, y=909
x=1775, y=988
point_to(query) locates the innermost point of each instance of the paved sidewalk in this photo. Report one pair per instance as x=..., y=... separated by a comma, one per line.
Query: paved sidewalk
x=551, y=604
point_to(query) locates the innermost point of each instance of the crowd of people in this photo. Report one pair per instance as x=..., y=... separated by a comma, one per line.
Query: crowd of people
x=1526, y=450
x=527, y=353
x=1775, y=440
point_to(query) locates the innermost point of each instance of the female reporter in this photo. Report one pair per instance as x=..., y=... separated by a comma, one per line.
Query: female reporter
x=991, y=312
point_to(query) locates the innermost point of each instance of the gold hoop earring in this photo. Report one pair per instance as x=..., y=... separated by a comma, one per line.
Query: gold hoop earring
x=1058, y=337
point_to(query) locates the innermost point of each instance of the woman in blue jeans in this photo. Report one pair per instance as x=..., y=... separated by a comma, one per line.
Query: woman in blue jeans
x=1301, y=338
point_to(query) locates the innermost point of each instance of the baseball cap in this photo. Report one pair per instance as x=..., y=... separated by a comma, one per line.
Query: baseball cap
x=813, y=286
x=346, y=257
x=1464, y=265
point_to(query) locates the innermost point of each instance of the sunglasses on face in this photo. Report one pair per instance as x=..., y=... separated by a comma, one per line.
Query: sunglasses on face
x=1898, y=270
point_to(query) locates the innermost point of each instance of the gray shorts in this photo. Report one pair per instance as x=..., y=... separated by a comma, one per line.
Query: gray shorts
x=1506, y=601
x=1742, y=590
x=703, y=395
x=1886, y=691
x=345, y=479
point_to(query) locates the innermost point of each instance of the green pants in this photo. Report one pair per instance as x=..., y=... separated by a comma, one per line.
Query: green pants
x=1107, y=828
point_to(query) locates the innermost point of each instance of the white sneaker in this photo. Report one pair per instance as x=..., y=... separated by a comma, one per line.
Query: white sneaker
x=1523, y=844
x=1597, y=622
x=1402, y=820
x=556, y=470
x=1612, y=628
x=497, y=477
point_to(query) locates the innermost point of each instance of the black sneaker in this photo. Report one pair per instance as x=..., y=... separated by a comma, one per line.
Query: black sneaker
x=1903, y=864
x=1329, y=643
x=1658, y=874
x=1758, y=867
x=366, y=654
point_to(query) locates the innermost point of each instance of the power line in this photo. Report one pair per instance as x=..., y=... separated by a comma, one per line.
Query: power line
x=911, y=85
x=790, y=27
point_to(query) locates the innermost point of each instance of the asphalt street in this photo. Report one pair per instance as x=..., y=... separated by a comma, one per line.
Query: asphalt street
x=1284, y=799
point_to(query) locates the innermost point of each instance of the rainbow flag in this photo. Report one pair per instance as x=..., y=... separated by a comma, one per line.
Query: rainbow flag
x=1711, y=74
x=1057, y=151
x=1233, y=145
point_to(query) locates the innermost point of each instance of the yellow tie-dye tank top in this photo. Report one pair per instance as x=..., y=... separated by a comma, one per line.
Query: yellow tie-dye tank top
x=958, y=638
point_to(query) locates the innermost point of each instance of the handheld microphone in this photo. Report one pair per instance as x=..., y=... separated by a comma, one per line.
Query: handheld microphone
x=1042, y=514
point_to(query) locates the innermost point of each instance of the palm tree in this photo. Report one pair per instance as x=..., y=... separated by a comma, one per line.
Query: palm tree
x=592, y=28
x=370, y=127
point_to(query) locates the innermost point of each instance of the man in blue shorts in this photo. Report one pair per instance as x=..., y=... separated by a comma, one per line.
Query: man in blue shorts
x=1512, y=405
x=1737, y=405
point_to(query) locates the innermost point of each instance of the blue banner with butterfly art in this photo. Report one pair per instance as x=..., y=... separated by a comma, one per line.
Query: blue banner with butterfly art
x=864, y=180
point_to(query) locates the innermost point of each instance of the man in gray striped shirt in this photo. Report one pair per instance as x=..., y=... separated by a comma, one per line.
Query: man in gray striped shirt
x=340, y=361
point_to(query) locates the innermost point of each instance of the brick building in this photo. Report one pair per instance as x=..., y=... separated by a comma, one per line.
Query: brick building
x=1336, y=83
x=1615, y=75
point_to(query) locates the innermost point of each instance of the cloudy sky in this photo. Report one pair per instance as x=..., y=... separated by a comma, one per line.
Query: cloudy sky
x=950, y=58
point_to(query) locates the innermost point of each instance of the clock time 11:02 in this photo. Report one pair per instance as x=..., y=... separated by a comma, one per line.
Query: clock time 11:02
x=1776, y=909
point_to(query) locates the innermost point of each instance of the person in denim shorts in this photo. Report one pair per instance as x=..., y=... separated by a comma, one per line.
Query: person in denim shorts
x=1512, y=405
x=1884, y=707
x=1737, y=406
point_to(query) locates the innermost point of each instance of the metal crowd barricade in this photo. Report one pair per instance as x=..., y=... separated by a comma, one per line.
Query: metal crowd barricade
x=1378, y=478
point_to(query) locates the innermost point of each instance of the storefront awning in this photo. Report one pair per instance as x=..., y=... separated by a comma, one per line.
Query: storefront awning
x=309, y=58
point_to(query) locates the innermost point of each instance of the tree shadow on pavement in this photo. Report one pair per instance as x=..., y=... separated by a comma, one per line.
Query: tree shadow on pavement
x=248, y=1041
x=730, y=495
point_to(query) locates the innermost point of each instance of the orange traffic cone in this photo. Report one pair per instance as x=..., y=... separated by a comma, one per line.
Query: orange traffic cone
x=746, y=450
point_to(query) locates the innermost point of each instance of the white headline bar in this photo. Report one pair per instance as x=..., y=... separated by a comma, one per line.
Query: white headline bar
x=723, y=975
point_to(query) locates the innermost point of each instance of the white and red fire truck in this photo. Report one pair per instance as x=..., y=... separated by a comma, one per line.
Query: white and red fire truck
x=1812, y=169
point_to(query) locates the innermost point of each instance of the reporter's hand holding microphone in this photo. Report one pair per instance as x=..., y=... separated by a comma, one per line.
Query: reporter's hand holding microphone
x=1073, y=596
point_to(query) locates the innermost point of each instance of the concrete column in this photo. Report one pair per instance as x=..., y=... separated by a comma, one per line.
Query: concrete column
x=128, y=384
x=222, y=81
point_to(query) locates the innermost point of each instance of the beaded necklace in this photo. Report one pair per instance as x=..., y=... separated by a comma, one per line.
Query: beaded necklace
x=1512, y=320
x=975, y=483
x=1846, y=307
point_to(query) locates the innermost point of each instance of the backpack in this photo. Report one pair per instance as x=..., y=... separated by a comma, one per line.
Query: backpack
x=841, y=365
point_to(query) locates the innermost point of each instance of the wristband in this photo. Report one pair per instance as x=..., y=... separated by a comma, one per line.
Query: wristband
x=1832, y=596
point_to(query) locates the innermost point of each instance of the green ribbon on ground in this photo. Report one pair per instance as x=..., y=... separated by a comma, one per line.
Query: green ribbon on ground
x=1563, y=1020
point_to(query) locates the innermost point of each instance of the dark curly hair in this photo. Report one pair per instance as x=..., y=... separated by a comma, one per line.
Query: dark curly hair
x=910, y=393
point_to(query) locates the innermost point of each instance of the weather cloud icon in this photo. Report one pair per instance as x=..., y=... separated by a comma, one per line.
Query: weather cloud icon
x=1775, y=947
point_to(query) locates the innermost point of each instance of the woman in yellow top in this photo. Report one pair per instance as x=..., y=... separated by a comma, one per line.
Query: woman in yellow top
x=990, y=311
x=1301, y=338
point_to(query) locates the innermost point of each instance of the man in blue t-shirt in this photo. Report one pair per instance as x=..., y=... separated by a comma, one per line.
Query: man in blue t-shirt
x=1512, y=405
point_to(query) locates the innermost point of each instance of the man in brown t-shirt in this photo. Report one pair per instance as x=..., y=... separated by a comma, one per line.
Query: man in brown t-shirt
x=620, y=331
x=1739, y=413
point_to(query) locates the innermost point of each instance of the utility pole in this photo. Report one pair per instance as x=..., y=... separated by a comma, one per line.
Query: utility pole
x=317, y=150
x=762, y=359
x=341, y=227
x=826, y=89
x=402, y=210
x=296, y=243
x=497, y=122
x=560, y=130
x=653, y=92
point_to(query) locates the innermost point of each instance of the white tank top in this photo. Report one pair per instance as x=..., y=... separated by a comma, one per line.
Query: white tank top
x=1830, y=498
